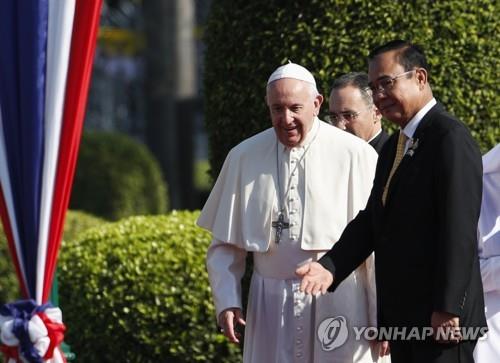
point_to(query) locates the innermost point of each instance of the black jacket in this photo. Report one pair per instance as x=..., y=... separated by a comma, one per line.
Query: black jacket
x=424, y=239
x=378, y=142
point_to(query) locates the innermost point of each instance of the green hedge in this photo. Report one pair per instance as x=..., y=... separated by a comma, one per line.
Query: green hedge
x=247, y=40
x=117, y=177
x=9, y=287
x=137, y=291
x=76, y=222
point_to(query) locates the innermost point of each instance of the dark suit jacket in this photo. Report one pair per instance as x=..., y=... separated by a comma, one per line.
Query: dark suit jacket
x=378, y=142
x=424, y=239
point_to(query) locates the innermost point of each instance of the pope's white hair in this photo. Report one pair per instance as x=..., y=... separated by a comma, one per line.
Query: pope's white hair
x=313, y=91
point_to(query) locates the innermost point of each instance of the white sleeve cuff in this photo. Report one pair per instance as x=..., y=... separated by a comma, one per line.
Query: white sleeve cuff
x=226, y=267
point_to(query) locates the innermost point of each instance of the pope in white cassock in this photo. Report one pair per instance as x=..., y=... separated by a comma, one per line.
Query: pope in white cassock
x=488, y=349
x=285, y=195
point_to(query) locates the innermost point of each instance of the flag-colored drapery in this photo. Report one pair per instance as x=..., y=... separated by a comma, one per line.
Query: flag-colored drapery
x=45, y=66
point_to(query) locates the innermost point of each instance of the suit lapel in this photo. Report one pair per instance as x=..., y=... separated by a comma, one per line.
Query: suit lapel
x=406, y=162
x=386, y=168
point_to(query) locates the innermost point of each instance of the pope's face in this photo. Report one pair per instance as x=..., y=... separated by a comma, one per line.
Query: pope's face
x=293, y=107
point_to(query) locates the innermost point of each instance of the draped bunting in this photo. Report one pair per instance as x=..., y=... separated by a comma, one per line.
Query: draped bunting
x=45, y=66
x=35, y=330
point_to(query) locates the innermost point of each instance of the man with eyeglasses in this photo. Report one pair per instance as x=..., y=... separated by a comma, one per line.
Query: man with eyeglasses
x=351, y=109
x=420, y=220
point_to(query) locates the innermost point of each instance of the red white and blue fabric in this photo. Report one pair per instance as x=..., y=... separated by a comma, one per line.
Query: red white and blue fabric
x=31, y=331
x=45, y=66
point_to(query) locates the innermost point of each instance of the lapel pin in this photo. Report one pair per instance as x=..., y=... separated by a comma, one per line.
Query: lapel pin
x=412, y=147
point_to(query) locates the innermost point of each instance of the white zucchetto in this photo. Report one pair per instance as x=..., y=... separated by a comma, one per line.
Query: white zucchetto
x=292, y=70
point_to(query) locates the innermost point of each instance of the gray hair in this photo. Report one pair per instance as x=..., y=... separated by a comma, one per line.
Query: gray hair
x=313, y=91
x=358, y=80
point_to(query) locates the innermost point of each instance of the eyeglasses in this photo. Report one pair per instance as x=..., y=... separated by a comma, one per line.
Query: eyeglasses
x=386, y=83
x=337, y=118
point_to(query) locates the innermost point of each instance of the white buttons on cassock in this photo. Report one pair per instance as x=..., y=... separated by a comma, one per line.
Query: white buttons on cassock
x=298, y=310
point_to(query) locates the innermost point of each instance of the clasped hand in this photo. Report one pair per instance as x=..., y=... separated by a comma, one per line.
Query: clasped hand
x=315, y=278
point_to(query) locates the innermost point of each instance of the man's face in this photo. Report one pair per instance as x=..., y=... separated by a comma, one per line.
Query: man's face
x=293, y=108
x=353, y=112
x=400, y=102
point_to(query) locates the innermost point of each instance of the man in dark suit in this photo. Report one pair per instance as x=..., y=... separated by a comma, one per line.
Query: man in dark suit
x=421, y=219
x=351, y=109
x=379, y=140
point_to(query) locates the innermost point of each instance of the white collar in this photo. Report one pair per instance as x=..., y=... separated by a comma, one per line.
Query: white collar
x=411, y=126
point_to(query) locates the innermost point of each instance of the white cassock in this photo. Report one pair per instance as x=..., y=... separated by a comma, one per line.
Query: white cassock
x=323, y=184
x=488, y=350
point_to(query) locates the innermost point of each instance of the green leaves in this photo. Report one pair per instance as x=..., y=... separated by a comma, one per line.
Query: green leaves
x=247, y=40
x=140, y=293
x=76, y=222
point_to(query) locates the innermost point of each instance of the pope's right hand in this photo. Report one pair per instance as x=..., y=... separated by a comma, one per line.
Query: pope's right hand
x=229, y=319
x=315, y=278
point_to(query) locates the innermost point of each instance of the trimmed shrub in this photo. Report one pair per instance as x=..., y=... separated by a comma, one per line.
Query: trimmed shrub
x=117, y=177
x=137, y=291
x=76, y=222
x=247, y=40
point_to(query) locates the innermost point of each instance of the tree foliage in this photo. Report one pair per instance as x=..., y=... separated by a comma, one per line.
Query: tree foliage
x=247, y=40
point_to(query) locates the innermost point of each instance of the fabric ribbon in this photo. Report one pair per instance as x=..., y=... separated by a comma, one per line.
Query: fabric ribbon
x=9, y=352
x=31, y=331
x=55, y=332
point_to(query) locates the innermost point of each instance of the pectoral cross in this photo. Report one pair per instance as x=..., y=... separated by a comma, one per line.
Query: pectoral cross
x=280, y=225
